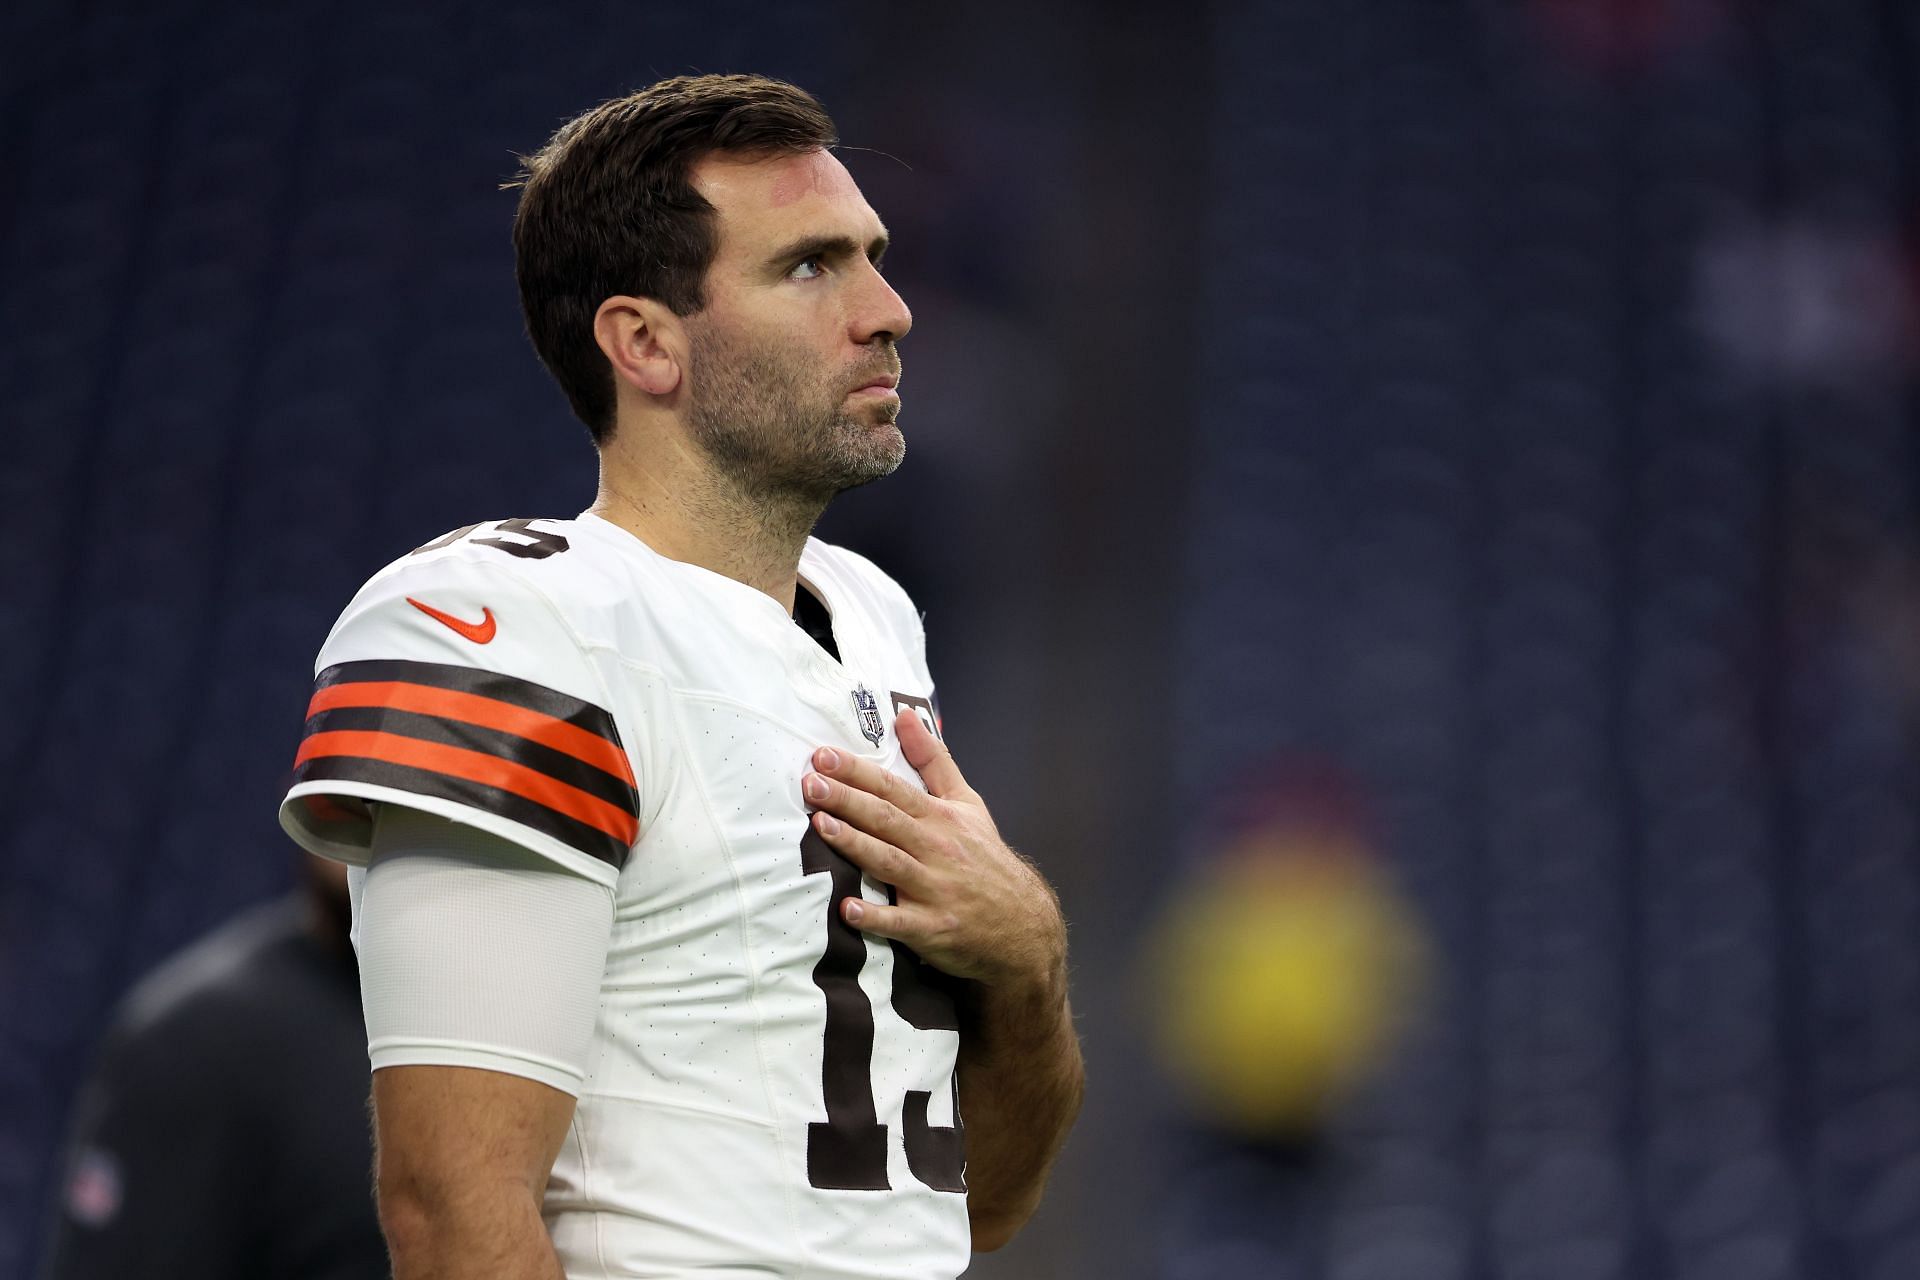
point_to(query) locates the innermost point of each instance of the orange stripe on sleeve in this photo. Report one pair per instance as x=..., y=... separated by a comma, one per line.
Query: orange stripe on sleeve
x=475, y=766
x=582, y=744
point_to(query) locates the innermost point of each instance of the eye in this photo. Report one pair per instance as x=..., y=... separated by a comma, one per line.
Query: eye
x=808, y=268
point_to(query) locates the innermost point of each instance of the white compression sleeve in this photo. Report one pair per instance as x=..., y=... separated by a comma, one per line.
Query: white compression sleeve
x=477, y=952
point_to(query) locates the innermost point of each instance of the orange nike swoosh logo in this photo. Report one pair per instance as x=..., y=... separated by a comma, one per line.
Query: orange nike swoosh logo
x=479, y=632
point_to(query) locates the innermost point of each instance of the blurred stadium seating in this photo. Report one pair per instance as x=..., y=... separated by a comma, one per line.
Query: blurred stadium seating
x=1486, y=511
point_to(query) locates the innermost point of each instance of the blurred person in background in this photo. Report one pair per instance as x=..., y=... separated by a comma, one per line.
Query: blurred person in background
x=636, y=799
x=223, y=1133
x=1282, y=971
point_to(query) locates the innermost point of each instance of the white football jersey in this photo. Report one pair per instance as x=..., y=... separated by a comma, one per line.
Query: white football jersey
x=770, y=1092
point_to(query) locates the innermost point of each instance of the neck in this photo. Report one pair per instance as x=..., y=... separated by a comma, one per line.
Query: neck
x=679, y=505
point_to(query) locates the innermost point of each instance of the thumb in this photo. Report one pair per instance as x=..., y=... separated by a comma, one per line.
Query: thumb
x=926, y=753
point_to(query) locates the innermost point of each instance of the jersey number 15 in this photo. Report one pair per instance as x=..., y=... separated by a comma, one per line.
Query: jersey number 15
x=849, y=1151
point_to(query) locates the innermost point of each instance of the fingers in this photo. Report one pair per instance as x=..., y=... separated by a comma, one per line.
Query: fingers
x=875, y=780
x=877, y=858
x=916, y=926
x=876, y=918
x=869, y=813
x=925, y=752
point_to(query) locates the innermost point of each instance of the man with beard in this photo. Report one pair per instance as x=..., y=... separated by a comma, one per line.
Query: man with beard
x=222, y=1133
x=685, y=946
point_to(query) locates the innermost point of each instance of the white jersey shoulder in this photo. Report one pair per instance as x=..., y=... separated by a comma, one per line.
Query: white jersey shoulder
x=769, y=1092
x=457, y=682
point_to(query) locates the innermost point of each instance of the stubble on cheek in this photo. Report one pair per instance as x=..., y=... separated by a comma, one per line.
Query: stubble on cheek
x=774, y=423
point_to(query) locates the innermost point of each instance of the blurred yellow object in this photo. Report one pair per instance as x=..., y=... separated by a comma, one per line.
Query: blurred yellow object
x=1282, y=972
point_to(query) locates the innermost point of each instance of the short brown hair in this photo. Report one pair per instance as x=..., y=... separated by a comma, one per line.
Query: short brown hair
x=607, y=207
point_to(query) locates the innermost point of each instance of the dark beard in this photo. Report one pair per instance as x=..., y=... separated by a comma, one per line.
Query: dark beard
x=779, y=434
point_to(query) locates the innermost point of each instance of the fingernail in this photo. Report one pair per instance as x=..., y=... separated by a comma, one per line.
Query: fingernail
x=827, y=758
x=854, y=911
x=816, y=787
x=829, y=825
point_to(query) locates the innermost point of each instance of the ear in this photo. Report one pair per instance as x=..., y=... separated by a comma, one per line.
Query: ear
x=644, y=343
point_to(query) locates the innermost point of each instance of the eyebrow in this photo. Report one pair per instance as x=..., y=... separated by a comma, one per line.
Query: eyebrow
x=830, y=246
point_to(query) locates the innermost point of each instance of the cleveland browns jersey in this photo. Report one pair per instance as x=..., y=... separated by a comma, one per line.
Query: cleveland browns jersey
x=770, y=1092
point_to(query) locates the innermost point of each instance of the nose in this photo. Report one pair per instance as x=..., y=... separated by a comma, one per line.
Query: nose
x=879, y=314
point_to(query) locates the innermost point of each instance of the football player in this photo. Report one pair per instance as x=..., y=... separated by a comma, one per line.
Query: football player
x=685, y=945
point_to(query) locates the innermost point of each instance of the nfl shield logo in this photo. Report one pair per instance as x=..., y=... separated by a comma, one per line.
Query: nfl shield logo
x=867, y=711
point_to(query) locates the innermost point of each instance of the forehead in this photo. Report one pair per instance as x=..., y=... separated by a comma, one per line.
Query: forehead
x=779, y=197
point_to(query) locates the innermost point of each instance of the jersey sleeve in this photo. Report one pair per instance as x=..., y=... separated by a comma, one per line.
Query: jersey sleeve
x=476, y=952
x=454, y=688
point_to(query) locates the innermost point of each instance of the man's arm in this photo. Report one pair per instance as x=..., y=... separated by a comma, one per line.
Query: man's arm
x=480, y=966
x=972, y=907
x=461, y=1164
x=1021, y=1078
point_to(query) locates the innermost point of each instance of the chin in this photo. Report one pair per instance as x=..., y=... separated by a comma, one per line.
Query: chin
x=874, y=452
x=893, y=449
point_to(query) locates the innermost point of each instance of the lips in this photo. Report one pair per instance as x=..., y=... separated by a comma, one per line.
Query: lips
x=885, y=382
